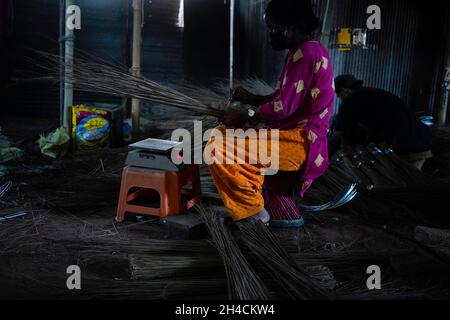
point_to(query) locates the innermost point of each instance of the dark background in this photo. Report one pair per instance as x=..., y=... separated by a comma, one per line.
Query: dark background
x=409, y=58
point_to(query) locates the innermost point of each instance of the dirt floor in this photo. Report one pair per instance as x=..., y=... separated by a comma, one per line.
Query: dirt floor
x=71, y=205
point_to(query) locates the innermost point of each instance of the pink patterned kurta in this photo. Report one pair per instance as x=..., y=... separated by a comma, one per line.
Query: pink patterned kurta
x=304, y=97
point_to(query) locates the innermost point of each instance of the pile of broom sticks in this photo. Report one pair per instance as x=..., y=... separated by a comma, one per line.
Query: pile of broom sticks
x=291, y=278
x=243, y=282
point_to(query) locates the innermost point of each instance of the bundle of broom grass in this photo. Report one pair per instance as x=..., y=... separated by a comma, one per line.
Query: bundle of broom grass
x=88, y=74
x=94, y=75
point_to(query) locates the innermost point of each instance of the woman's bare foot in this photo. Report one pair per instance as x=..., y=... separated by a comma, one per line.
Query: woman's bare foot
x=262, y=216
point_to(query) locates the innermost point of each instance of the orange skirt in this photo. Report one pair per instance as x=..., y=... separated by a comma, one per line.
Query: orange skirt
x=240, y=182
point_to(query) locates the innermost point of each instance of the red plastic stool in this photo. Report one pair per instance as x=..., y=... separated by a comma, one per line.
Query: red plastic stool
x=143, y=184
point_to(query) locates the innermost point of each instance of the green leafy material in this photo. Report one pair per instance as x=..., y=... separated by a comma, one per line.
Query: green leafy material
x=55, y=144
x=8, y=153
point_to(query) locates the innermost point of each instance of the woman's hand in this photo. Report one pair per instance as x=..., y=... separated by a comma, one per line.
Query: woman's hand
x=242, y=95
x=236, y=118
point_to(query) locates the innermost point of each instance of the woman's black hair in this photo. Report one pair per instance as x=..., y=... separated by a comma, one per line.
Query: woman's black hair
x=294, y=13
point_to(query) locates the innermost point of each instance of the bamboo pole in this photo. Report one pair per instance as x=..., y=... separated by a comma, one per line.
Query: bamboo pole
x=326, y=26
x=62, y=15
x=444, y=92
x=444, y=98
x=443, y=107
x=126, y=45
x=136, y=68
x=232, y=10
x=69, y=50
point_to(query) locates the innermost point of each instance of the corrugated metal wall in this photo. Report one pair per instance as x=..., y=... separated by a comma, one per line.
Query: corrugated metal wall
x=389, y=63
x=103, y=34
x=255, y=57
x=206, y=40
x=408, y=49
x=163, y=53
x=398, y=62
x=33, y=28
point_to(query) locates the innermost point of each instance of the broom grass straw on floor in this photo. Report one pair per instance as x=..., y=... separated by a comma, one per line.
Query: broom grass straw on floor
x=243, y=282
x=281, y=266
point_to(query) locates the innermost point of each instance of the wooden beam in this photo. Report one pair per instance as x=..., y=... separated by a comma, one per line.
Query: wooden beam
x=136, y=68
x=68, y=63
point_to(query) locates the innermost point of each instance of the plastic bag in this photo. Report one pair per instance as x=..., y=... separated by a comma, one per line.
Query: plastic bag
x=90, y=128
x=55, y=144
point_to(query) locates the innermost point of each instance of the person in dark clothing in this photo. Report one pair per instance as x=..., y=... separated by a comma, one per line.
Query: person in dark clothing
x=370, y=115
